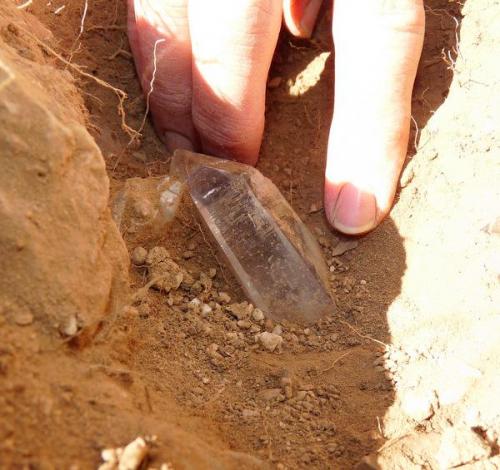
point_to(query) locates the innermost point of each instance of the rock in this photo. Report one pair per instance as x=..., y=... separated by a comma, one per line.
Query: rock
x=212, y=272
x=139, y=256
x=206, y=281
x=244, y=324
x=133, y=455
x=70, y=326
x=129, y=458
x=206, y=310
x=301, y=394
x=195, y=305
x=258, y=315
x=157, y=255
x=344, y=247
x=56, y=231
x=278, y=330
x=314, y=208
x=165, y=273
x=23, y=318
x=248, y=414
x=270, y=394
x=240, y=311
x=270, y=341
x=224, y=298
x=274, y=82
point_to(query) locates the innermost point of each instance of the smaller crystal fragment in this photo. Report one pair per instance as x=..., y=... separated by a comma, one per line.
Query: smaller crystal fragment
x=145, y=205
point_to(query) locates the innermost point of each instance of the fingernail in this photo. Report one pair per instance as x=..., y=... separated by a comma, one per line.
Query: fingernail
x=309, y=16
x=355, y=211
x=174, y=141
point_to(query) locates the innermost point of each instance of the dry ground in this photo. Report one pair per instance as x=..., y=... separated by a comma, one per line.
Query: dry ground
x=406, y=370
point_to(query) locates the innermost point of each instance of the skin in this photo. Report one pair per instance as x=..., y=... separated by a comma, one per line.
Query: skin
x=212, y=69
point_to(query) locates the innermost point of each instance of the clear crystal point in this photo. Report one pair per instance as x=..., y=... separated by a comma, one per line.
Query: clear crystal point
x=271, y=252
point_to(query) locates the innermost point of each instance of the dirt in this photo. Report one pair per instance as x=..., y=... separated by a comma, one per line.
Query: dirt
x=403, y=375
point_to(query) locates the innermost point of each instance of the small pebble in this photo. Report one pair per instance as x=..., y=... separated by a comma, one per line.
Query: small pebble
x=274, y=82
x=188, y=254
x=224, y=298
x=206, y=309
x=314, y=208
x=212, y=272
x=69, y=326
x=270, y=394
x=255, y=329
x=23, y=318
x=258, y=315
x=278, y=330
x=244, y=324
x=343, y=247
x=270, y=341
x=139, y=255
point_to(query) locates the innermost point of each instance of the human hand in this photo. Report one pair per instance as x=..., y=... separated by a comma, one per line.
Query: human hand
x=210, y=86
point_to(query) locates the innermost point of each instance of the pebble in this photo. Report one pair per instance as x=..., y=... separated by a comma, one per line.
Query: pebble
x=23, y=318
x=343, y=247
x=270, y=394
x=212, y=272
x=139, y=255
x=212, y=349
x=69, y=326
x=244, y=324
x=255, y=329
x=250, y=413
x=191, y=246
x=274, y=82
x=314, y=208
x=206, y=310
x=240, y=311
x=194, y=304
x=301, y=395
x=188, y=254
x=258, y=315
x=133, y=455
x=224, y=298
x=278, y=330
x=270, y=341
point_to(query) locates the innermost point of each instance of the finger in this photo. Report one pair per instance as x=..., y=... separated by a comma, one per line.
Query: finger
x=160, y=42
x=300, y=16
x=233, y=43
x=377, y=49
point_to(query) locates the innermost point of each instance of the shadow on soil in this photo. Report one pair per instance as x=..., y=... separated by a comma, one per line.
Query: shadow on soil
x=380, y=258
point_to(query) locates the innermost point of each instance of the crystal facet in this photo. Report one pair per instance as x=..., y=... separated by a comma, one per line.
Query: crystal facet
x=271, y=252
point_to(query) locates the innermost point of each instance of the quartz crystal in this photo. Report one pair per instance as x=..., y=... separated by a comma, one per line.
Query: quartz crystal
x=270, y=251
